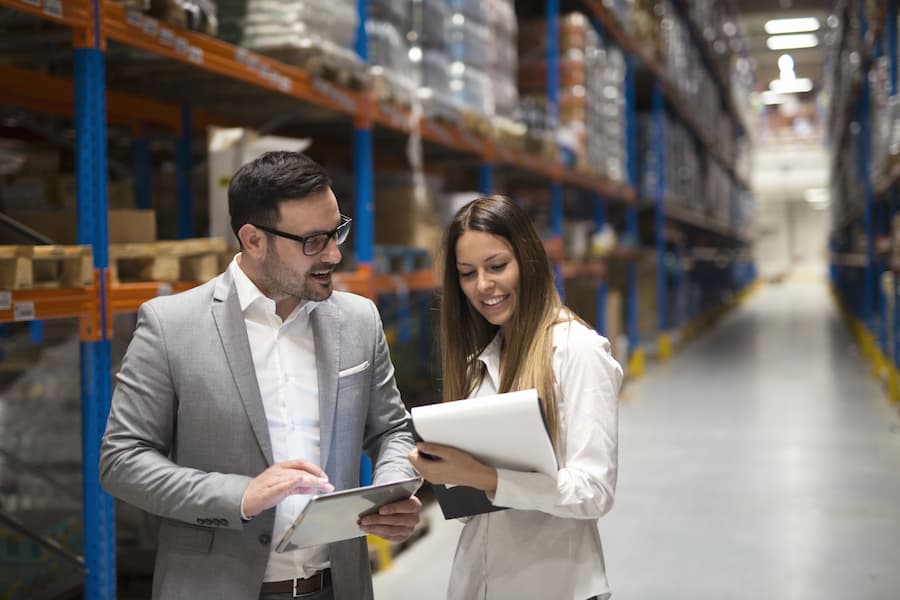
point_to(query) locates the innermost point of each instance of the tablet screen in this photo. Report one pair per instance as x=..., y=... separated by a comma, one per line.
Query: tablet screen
x=332, y=517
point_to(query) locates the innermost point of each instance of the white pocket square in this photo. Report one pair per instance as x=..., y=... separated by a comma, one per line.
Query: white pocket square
x=353, y=370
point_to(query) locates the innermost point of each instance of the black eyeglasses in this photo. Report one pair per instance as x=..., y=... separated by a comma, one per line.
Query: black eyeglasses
x=315, y=243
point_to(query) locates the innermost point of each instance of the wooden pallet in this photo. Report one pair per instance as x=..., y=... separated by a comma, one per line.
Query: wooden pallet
x=32, y=267
x=182, y=260
x=391, y=89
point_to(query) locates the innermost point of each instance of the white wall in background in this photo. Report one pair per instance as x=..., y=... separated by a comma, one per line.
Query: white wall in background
x=791, y=233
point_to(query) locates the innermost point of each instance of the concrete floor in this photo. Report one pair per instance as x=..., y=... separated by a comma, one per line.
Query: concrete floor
x=762, y=461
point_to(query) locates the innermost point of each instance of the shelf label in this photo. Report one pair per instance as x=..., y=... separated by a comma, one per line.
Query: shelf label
x=23, y=311
x=35, y=3
x=181, y=45
x=151, y=27
x=53, y=8
x=166, y=37
x=134, y=18
x=399, y=120
x=5, y=300
x=195, y=55
x=164, y=289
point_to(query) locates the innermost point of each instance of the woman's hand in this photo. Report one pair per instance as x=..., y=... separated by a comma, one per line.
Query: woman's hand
x=444, y=464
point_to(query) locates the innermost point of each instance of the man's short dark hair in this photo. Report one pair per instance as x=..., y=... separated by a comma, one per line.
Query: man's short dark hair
x=260, y=186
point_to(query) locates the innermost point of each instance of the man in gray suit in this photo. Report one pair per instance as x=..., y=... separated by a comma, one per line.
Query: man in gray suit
x=239, y=396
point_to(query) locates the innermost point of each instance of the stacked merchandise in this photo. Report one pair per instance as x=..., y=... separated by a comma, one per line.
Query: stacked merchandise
x=428, y=55
x=503, y=56
x=388, y=51
x=294, y=30
x=468, y=37
x=842, y=76
x=683, y=178
x=684, y=67
x=197, y=15
x=718, y=192
x=591, y=120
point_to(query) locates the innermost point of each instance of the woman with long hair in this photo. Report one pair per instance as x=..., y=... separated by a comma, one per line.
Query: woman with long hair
x=504, y=328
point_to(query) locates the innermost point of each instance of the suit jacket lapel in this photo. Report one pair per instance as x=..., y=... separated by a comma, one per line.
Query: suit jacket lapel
x=226, y=310
x=326, y=326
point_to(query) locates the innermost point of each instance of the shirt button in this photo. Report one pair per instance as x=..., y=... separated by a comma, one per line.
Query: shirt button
x=264, y=539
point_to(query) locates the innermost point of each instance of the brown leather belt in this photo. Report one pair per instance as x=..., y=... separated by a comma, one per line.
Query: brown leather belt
x=298, y=587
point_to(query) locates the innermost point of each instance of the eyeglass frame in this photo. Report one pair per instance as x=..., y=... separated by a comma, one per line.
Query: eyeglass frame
x=341, y=230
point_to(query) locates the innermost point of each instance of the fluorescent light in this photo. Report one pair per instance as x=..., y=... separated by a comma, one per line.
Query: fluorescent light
x=779, y=26
x=770, y=98
x=791, y=86
x=786, y=63
x=817, y=195
x=788, y=42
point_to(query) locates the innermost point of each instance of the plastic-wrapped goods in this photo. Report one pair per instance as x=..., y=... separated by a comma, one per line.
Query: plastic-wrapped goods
x=471, y=88
x=198, y=15
x=502, y=55
x=387, y=48
x=471, y=10
x=433, y=73
x=284, y=23
x=467, y=42
x=573, y=31
x=881, y=117
x=389, y=11
x=427, y=24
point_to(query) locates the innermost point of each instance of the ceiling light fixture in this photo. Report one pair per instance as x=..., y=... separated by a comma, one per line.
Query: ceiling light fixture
x=780, y=26
x=791, y=86
x=790, y=42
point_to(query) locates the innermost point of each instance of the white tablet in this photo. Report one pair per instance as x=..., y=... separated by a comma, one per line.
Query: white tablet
x=332, y=517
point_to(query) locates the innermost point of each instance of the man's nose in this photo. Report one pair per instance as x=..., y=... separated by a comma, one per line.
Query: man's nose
x=332, y=252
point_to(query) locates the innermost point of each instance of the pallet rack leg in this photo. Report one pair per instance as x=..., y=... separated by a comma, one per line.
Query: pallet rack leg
x=183, y=164
x=96, y=392
x=664, y=341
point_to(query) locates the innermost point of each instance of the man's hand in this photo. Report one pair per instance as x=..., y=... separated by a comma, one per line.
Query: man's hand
x=280, y=481
x=394, y=522
x=445, y=464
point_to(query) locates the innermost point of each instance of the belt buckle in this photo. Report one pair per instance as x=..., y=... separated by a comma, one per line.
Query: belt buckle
x=295, y=594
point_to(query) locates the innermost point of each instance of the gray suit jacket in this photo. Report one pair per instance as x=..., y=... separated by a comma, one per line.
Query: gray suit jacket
x=187, y=432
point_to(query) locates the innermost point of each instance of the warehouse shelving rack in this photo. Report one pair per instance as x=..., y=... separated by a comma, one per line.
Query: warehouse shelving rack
x=872, y=311
x=99, y=92
x=666, y=98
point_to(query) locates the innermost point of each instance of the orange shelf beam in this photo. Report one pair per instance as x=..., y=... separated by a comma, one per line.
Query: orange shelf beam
x=49, y=303
x=56, y=95
x=65, y=12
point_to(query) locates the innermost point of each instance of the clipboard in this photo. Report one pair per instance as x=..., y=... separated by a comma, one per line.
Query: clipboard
x=504, y=430
x=332, y=517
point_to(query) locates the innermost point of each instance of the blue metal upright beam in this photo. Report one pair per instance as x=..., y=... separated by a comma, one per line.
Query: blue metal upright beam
x=96, y=392
x=363, y=168
x=183, y=177
x=868, y=302
x=140, y=167
x=599, y=209
x=552, y=34
x=556, y=230
x=635, y=354
x=659, y=149
x=486, y=178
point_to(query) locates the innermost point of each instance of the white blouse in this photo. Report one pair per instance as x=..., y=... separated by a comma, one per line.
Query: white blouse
x=548, y=544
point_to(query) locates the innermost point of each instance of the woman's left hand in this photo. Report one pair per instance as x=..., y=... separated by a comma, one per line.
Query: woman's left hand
x=449, y=465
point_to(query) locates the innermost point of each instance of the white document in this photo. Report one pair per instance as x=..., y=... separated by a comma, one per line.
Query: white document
x=505, y=430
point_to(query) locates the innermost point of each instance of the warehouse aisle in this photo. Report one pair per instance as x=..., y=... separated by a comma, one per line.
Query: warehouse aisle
x=761, y=462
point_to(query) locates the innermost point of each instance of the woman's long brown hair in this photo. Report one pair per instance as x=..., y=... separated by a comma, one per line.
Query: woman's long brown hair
x=528, y=351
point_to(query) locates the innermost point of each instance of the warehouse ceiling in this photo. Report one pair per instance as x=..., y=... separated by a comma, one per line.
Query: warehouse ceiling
x=753, y=15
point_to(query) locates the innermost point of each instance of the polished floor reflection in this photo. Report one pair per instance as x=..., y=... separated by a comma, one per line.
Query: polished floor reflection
x=762, y=461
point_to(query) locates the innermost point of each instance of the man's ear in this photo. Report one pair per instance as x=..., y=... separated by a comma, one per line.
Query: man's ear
x=252, y=239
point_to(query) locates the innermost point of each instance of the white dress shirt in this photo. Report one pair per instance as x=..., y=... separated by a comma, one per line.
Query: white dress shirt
x=548, y=544
x=284, y=358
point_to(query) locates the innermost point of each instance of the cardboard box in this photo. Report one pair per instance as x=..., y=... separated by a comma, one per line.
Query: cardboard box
x=125, y=226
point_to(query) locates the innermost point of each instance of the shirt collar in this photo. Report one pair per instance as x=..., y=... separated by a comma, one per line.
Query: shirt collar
x=249, y=294
x=490, y=356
